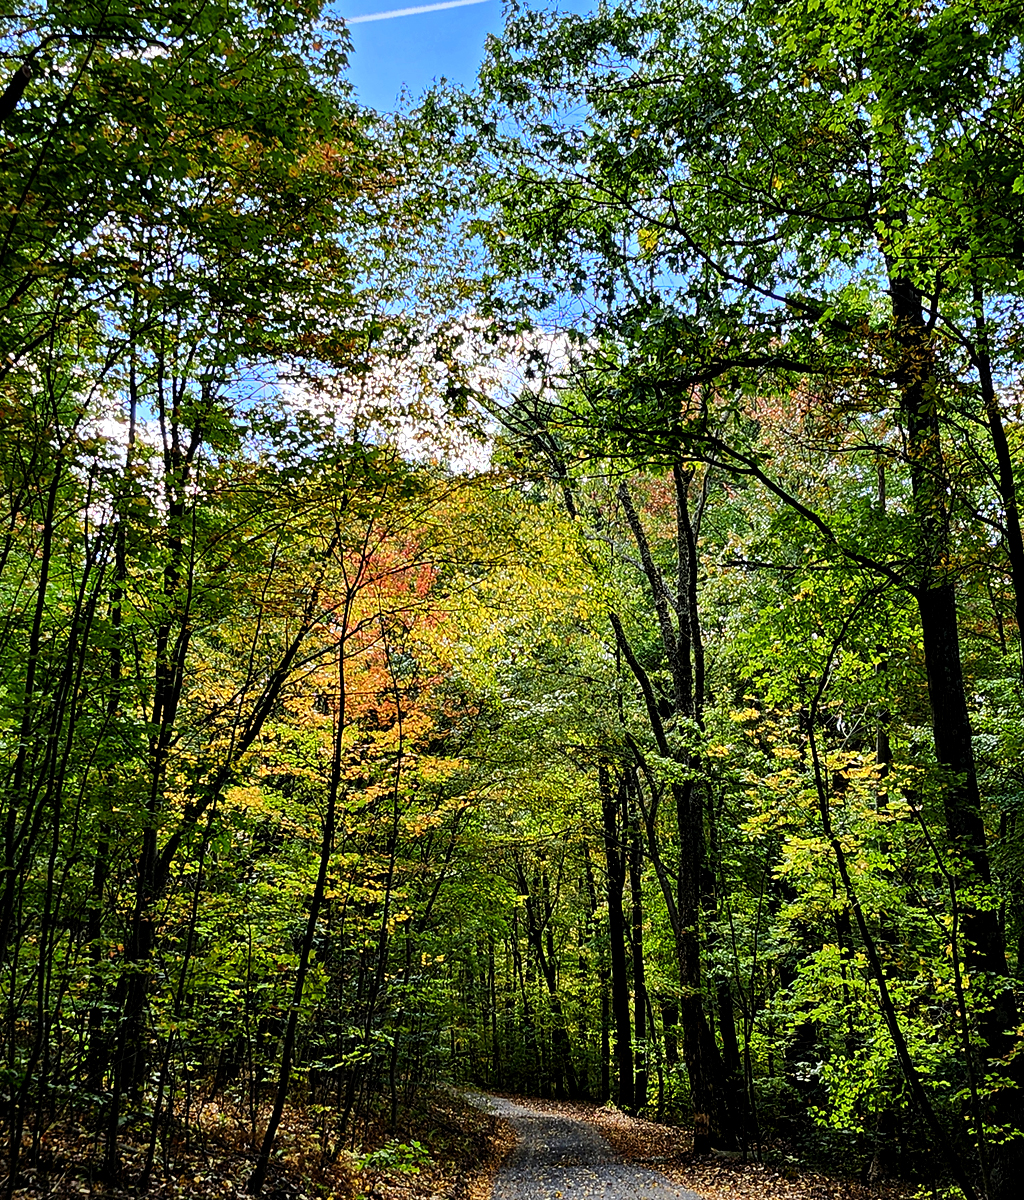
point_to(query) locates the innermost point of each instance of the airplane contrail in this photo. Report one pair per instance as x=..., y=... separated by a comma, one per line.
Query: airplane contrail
x=408, y=12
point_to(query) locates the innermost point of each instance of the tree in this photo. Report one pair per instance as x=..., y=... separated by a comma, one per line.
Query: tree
x=193, y=212
x=759, y=203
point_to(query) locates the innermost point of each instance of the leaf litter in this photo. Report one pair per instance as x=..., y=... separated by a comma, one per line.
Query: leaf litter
x=212, y=1157
x=669, y=1149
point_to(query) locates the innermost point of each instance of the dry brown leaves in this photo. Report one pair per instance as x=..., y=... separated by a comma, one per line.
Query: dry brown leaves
x=213, y=1158
x=466, y=1146
x=715, y=1177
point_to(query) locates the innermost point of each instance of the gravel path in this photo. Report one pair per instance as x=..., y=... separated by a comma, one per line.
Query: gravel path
x=561, y=1159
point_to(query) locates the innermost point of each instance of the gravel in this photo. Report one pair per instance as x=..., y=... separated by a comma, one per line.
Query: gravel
x=561, y=1159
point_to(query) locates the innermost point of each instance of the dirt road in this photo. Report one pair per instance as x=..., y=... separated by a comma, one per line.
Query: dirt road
x=561, y=1159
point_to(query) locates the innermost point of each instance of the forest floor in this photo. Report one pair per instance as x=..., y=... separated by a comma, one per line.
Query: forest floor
x=212, y=1158
x=464, y=1149
x=669, y=1150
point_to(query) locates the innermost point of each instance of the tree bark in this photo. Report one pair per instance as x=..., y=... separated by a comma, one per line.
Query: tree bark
x=15, y=90
x=642, y=1072
x=254, y=1184
x=566, y=1078
x=615, y=858
x=713, y=1119
x=1006, y=482
x=984, y=945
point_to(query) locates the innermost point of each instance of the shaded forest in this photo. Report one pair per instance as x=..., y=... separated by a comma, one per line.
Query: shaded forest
x=524, y=592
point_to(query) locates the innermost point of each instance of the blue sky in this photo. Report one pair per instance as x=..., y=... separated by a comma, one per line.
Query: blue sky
x=414, y=51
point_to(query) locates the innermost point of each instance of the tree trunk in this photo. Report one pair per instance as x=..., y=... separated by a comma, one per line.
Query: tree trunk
x=615, y=858
x=639, y=973
x=254, y=1184
x=984, y=947
x=1005, y=478
x=713, y=1118
x=564, y=1071
x=682, y=645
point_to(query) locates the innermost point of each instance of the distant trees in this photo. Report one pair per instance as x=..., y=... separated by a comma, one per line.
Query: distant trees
x=674, y=758
x=191, y=222
x=775, y=232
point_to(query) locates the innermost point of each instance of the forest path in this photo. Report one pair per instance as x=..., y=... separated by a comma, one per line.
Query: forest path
x=559, y=1158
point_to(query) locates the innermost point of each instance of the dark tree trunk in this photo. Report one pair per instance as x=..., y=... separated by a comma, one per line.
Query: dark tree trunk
x=254, y=1184
x=1005, y=478
x=537, y=924
x=984, y=947
x=612, y=806
x=936, y=601
x=682, y=646
x=639, y=973
x=15, y=90
x=669, y=1026
x=603, y=978
x=713, y=1118
x=711, y=1114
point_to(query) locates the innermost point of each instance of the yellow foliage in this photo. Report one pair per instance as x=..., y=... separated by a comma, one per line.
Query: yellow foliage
x=742, y=715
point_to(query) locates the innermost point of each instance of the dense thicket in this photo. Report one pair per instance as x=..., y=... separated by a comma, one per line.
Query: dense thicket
x=216, y=572
x=674, y=757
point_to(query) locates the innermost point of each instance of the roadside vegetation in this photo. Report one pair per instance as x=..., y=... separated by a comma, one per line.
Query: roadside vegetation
x=523, y=593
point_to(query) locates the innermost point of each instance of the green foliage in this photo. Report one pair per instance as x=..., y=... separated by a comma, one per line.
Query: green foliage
x=405, y=1158
x=318, y=751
